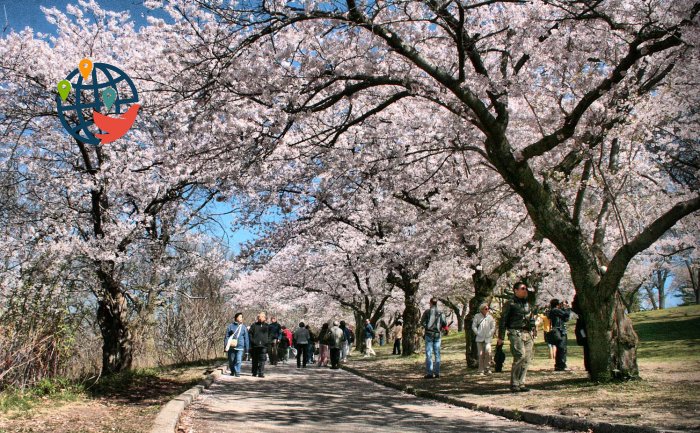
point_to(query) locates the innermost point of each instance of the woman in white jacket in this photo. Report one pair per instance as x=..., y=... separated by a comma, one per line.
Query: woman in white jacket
x=484, y=327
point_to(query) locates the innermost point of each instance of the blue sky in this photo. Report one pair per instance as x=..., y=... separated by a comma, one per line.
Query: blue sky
x=18, y=14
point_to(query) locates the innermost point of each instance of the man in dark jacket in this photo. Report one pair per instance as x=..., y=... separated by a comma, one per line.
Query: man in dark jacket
x=516, y=318
x=259, y=339
x=275, y=335
x=559, y=314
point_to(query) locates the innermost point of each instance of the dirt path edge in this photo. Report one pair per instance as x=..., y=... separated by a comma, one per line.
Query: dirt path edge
x=168, y=417
x=531, y=417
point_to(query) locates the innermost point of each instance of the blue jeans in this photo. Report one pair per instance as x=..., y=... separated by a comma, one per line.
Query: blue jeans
x=432, y=345
x=235, y=358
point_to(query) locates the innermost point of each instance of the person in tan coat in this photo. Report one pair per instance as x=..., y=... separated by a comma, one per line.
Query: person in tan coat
x=397, y=334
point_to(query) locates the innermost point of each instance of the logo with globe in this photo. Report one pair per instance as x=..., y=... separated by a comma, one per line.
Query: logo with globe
x=97, y=104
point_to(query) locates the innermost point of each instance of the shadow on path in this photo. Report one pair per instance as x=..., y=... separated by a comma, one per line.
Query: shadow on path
x=291, y=399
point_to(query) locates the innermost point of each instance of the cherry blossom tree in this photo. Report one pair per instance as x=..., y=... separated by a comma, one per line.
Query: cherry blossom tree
x=566, y=101
x=119, y=221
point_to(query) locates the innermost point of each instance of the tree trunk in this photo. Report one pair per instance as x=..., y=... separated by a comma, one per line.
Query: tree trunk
x=411, y=323
x=407, y=281
x=117, y=344
x=359, y=331
x=611, y=338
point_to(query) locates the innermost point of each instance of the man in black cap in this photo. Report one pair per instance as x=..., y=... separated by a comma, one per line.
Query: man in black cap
x=517, y=319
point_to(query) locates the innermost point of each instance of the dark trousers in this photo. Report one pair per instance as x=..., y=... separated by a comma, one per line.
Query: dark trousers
x=259, y=360
x=273, y=353
x=302, y=351
x=560, y=359
x=397, y=347
x=335, y=357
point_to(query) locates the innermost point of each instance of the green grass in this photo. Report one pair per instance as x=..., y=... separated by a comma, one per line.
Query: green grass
x=672, y=333
x=56, y=389
x=668, y=334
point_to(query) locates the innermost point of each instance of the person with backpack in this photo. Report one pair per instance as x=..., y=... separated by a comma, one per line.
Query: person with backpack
x=484, y=327
x=432, y=321
x=559, y=314
x=369, y=336
x=238, y=346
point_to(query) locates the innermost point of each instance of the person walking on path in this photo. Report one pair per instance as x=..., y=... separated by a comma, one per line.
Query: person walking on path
x=559, y=314
x=287, y=335
x=275, y=335
x=369, y=336
x=397, y=334
x=324, y=353
x=516, y=318
x=301, y=342
x=259, y=340
x=235, y=352
x=484, y=326
x=433, y=321
x=347, y=339
x=335, y=344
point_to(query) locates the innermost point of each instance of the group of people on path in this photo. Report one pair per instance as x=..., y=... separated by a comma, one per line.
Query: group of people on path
x=517, y=321
x=262, y=340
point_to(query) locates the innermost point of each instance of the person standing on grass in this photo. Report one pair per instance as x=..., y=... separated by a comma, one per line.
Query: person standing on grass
x=484, y=326
x=369, y=336
x=381, y=334
x=335, y=343
x=397, y=334
x=301, y=342
x=559, y=314
x=433, y=321
x=235, y=353
x=546, y=328
x=516, y=318
x=259, y=340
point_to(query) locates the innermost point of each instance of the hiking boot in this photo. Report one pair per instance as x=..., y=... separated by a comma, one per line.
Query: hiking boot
x=524, y=389
x=437, y=376
x=428, y=376
x=261, y=375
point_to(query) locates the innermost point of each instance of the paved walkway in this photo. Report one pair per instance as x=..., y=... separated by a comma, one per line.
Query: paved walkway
x=323, y=400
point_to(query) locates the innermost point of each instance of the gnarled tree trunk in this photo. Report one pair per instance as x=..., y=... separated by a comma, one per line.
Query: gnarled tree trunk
x=611, y=339
x=112, y=318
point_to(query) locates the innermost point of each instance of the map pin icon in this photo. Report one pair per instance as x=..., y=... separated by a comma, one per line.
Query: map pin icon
x=85, y=67
x=64, y=89
x=109, y=95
